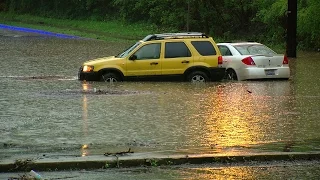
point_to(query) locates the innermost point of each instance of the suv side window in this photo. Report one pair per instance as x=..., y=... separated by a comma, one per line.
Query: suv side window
x=149, y=51
x=176, y=50
x=205, y=48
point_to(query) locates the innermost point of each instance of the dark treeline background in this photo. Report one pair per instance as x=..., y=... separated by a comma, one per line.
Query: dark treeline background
x=259, y=20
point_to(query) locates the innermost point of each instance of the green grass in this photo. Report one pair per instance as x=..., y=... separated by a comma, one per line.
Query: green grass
x=112, y=30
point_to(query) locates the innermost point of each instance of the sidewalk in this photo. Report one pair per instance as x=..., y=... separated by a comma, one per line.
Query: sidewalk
x=138, y=160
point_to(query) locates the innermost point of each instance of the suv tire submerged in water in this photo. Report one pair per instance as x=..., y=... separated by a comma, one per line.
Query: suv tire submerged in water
x=192, y=56
x=198, y=76
x=110, y=77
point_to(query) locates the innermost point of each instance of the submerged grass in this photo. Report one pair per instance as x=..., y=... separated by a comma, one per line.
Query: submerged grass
x=112, y=30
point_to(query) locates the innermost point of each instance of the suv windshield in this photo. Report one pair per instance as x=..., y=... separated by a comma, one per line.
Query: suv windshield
x=127, y=51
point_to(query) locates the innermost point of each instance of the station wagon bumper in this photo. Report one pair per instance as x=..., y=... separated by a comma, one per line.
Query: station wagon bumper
x=260, y=73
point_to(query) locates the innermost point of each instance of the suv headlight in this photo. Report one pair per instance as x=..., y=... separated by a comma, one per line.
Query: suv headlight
x=87, y=68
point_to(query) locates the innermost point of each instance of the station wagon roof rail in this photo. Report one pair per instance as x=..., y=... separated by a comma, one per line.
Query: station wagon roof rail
x=236, y=41
x=174, y=36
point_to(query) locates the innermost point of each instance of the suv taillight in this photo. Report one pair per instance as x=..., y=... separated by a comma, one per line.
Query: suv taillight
x=248, y=61
x=220, y=60
x=285, y=60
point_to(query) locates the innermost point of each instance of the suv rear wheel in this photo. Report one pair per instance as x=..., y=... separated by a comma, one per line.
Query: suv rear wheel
x=198, y=76
x=110, y=77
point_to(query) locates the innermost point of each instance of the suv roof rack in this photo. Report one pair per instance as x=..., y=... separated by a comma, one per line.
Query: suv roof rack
x=174, y=36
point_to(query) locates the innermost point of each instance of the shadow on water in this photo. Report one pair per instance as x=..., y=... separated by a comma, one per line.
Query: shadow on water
x=45, y=111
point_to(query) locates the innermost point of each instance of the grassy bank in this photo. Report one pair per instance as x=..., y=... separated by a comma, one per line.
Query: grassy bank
x=112, y=30
x=104, y=30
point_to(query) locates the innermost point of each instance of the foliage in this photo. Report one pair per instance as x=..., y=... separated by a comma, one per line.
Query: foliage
x=111, y=30
x=274, y=16
x=255, y=20
x=309, y=24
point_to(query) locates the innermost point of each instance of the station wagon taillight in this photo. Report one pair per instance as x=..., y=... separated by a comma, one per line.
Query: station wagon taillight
x=220, y=60
x=248, y=61
x=285, y=60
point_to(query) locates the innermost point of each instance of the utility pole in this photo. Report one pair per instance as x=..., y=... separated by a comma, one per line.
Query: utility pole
x=188, y=16
x=292, y=28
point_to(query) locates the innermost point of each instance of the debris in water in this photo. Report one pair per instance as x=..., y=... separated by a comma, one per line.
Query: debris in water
x=118, y=153
x=21, y=177
x=288, y=147
x=35, y=175
x=22, y=164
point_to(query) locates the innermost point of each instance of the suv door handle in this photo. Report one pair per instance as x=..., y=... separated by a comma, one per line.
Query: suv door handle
x=185, y=61
x=154, y=63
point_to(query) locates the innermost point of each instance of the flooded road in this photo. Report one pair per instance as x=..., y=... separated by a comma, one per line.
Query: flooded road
x=46, y=112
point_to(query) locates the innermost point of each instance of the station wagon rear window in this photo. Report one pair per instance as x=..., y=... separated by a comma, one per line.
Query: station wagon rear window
x=254, y=49
x=205, y=48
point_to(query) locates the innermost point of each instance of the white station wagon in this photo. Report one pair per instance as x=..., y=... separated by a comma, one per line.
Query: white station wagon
x=252, y=60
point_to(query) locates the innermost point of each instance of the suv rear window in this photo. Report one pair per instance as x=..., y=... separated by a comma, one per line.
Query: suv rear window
x=205, y=48
x=176, y=49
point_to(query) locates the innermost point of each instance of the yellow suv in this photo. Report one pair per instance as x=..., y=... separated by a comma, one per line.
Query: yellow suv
x=190, y=56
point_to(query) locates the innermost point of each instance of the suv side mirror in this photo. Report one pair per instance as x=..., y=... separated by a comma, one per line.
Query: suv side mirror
x=133, y=57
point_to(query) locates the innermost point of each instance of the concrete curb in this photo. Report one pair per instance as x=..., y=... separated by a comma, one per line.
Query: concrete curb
x=137, y=160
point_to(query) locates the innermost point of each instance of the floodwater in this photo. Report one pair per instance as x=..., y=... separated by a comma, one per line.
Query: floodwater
x=46, y=112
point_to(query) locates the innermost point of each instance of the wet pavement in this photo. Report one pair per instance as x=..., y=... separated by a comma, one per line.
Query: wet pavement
x=253, y=170
x=47, y=113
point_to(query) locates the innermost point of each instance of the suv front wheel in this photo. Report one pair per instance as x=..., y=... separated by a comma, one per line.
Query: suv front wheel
x=198, y=76
x=110, y=77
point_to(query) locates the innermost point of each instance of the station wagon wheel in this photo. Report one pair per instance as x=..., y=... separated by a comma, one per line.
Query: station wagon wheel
x=110, y=77
x=198, y=76
x=231, y=75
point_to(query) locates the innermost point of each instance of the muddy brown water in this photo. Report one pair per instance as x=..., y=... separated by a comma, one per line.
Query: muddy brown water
x=46, y=112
